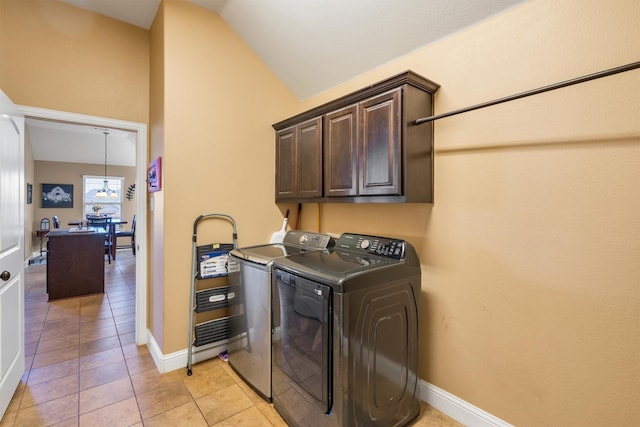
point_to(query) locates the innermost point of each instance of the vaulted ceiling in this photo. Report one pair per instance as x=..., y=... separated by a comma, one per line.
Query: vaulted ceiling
x=314, y=45
x=311, y=45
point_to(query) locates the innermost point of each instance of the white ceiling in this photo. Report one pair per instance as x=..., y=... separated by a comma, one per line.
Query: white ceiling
x=75, y=143
x=314, y=45
x=311, y=45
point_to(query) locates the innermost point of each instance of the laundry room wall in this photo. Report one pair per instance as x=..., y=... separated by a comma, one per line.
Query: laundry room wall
x=213, y=103
x=530, y=251
x=60, y=57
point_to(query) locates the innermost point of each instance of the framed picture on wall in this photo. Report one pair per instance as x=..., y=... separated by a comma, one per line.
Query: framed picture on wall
x=154, y=175
x=29, y=193
x=57, y=195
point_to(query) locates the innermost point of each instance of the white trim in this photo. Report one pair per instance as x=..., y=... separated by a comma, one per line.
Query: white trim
x=178, y=359
x=454, y=407
x=141, y=196
x=156, y=353
x=457, y=408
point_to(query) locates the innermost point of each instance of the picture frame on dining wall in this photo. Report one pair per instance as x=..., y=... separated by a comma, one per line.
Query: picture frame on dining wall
x=154, y=175
x=57, y=196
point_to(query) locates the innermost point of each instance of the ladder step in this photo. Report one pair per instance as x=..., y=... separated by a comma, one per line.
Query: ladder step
x=218, y=329
x=215, y=298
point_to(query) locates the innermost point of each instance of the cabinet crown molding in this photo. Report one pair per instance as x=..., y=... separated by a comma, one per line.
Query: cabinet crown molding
x=408, y=77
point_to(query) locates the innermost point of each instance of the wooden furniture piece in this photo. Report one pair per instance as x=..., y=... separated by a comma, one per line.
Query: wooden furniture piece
x=369, y=151
x=75, y=264
x=362, y=148
x=114, y=222
x=298, y=160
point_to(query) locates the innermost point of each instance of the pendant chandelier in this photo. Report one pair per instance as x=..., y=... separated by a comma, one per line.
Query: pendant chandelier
x=106, y=191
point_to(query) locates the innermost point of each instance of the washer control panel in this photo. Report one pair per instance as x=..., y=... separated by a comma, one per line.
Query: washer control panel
x=381, y=246
x=306, y=239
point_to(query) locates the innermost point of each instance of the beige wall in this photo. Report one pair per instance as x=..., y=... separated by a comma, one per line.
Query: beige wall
x=218, y=146
x=60, y=57
x=531, y=251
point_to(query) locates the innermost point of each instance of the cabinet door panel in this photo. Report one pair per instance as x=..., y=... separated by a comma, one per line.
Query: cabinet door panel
x=285, y=163
x=309, y=159
x=341, y=152
x=379, y=149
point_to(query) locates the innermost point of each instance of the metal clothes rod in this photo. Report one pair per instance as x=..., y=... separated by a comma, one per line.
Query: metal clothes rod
x=605, y=73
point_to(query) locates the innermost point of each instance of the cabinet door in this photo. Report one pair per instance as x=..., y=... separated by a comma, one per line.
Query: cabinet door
x=341, y=152
x=309, y=159
x=285, y=163
x=299, y=161
x=379, y=145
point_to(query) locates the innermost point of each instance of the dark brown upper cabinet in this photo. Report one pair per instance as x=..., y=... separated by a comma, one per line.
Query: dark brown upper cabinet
x=341, y=152
x=299, y=161
x=371, y=152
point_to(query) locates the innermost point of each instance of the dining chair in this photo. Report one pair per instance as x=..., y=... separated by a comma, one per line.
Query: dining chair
x=105, y=224
x=131, y=234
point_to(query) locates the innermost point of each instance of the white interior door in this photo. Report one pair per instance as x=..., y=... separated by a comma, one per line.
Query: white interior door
x=11, y=250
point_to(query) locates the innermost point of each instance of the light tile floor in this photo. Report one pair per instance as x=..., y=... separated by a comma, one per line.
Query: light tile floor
x=83, y=368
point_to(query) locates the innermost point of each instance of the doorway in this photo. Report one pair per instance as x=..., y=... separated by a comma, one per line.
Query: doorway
x=140, y=129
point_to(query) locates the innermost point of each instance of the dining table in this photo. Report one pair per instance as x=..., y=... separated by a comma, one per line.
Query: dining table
x=112, y=232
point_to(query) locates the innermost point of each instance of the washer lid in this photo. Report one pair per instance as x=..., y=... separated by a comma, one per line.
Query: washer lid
x=295, y=241
x=264, y=254
x=334, y=265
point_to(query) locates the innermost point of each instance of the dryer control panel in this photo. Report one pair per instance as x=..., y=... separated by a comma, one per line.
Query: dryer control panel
x=381, y=246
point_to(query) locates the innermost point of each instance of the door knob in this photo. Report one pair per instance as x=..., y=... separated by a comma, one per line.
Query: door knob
x=5, y=275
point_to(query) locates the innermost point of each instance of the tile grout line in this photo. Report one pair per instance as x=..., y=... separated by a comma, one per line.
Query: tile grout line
x=117, y=292
x=79, y=334
x=106, y=295
x=35, y=352
x=124, y=356
x=74, y=312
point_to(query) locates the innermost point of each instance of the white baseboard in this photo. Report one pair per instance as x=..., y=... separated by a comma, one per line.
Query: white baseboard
x=178, y=360
x=445, y=402
x=457, y=408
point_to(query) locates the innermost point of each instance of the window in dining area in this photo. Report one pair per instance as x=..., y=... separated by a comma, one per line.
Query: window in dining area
x=94, y=204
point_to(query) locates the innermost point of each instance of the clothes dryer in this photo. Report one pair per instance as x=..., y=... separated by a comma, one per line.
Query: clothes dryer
x=346, y=342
